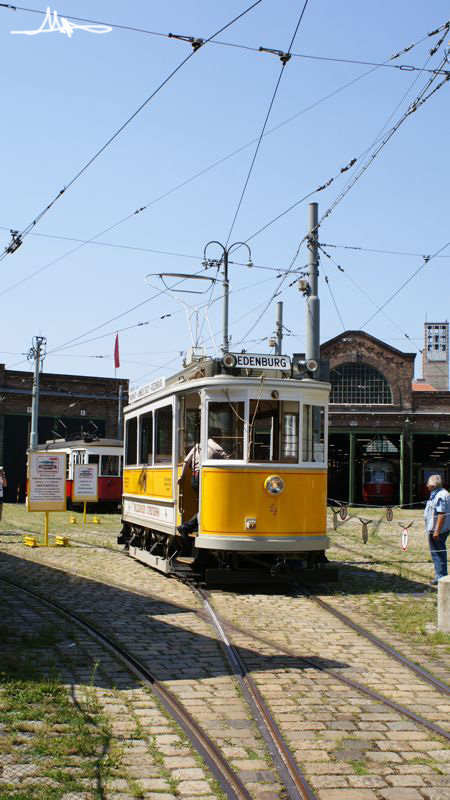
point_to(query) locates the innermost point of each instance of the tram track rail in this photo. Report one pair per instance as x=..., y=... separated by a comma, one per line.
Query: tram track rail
x=422, y=673
x=350, y=682
x=203, y=744
x=290, y=774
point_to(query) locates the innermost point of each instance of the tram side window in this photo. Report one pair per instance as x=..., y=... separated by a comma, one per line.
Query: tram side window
x=274, y=431
x=131, y=441
x=93, y=458
x=226, y=427
x=110, y=466
x=146, y=433
x=313, y=435
x=163, y=435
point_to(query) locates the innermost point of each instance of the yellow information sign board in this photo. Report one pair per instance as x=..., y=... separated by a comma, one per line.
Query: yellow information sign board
x=85, y=483
x=46, y=481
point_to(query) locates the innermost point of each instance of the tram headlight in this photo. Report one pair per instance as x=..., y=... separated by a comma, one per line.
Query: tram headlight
x=274, y=484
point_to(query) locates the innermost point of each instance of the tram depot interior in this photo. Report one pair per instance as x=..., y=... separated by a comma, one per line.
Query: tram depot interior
x=386, y=427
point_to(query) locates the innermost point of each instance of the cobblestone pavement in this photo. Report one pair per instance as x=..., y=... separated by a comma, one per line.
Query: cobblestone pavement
x=348, y=746
x=177, y=646
x=149, y=758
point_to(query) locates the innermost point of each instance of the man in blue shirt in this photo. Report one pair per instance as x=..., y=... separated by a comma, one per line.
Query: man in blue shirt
x=437, y=525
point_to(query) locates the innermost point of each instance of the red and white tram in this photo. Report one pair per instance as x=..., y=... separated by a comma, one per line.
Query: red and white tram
x=107, y=453
x=379, y=482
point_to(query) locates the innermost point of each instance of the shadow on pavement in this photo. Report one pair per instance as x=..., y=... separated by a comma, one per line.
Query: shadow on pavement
x=170, y=639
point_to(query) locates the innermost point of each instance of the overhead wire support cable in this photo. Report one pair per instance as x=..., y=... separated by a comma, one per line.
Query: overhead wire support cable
x=284, y=58
x=20, y=236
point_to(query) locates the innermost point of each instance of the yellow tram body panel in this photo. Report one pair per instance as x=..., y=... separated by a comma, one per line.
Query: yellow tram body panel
x=230, y=497
x=148, y=482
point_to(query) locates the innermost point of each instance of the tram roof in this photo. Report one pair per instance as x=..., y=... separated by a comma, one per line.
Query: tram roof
x=210, y=372
x=80, y=444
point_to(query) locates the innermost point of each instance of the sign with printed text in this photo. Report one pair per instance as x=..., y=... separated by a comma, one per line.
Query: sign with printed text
x=256, y=361
x=85, y=483
x=143, y=391
x=46, y=482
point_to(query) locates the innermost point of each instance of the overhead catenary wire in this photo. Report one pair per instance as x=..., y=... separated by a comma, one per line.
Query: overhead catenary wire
x=75, y=342
x=19, y=236
x=379, y=308
x=179, y=186
x=419, y=101
x=135, y=212
x=375, y=250
x=212, y=166
x=284, y=58
x=362, y=291
x=426, y=261
x=327, y=281
x=148, y=250
x=195, y=39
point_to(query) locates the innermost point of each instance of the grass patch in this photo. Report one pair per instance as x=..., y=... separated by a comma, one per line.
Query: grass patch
x=427, y=762
x=16, y=518
x=64, y=743
x=412, y=618
x=359, y=767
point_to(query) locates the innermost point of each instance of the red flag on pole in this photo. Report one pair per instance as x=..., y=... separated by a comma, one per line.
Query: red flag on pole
x=116, y=352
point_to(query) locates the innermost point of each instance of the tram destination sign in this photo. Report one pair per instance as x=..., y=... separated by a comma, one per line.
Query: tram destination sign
x=260, y=361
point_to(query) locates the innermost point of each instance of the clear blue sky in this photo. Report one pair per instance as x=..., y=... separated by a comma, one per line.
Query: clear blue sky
x=62, y=98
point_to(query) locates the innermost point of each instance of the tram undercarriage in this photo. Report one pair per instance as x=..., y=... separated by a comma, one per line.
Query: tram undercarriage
x=172, y=555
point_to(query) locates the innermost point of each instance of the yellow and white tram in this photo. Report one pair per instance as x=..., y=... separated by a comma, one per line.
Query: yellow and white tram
x=262, y=505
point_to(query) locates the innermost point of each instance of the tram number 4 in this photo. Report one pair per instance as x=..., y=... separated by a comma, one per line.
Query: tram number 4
x=274, y=509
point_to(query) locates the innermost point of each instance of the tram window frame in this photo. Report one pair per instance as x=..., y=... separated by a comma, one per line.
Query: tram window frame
x=148, y=459
x=236, y=411
x=131, y=442
x=190, y=423
x=277, y=411
x=161, y=458
x=313, y=449
x=106, y=458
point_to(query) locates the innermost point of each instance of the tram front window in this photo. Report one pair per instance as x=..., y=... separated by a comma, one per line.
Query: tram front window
x=226, y=427
x=273, y=427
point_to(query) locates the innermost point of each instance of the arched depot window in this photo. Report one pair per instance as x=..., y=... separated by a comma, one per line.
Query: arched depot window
x=359, y=384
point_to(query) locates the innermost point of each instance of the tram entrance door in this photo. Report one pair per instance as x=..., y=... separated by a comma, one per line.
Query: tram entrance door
x=189, y=435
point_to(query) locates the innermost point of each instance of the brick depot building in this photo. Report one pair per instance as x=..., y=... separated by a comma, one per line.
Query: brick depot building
x=68, y=405
x=378, y=412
